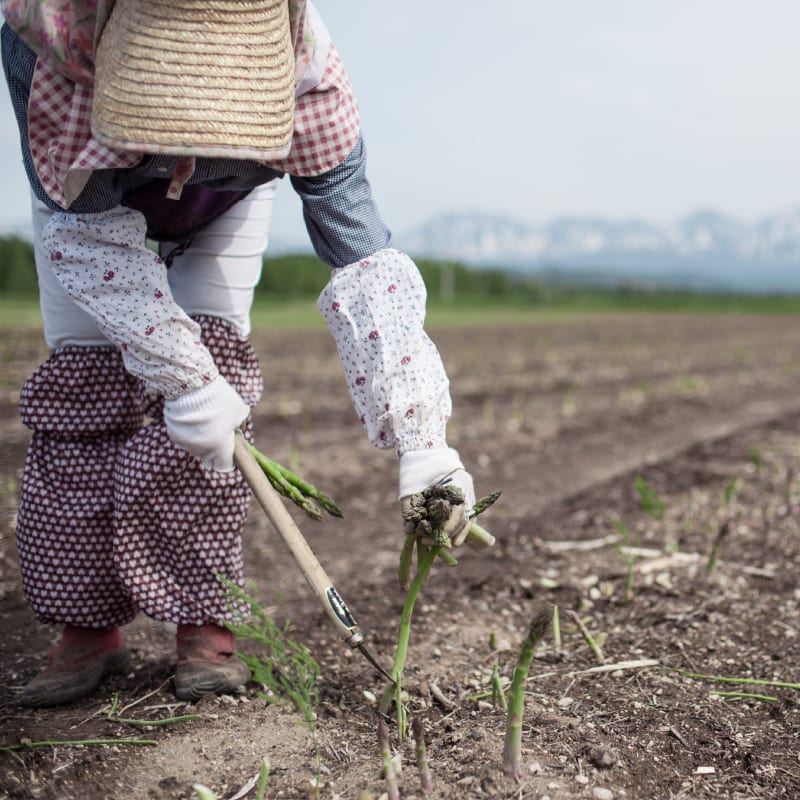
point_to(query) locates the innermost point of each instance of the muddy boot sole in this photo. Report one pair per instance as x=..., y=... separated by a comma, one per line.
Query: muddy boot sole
x=196, y=679
x=55, y=686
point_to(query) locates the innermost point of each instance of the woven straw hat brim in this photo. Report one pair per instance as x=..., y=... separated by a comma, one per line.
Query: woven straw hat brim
x=196, y=77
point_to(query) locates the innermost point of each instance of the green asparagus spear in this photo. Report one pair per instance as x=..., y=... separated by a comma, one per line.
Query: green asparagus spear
x=386, y=758
x=484, y=503
x=516, y=694
x=421, y=752
x=309, y=490
x=291, y=485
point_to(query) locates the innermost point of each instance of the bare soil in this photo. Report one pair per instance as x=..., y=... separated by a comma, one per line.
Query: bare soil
x=563, y=415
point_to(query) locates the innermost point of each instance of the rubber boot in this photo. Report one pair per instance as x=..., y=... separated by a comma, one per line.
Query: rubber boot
x=207, y=662
x=77, y=666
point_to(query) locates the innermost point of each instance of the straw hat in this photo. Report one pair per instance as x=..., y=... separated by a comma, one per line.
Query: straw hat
x=196, y=77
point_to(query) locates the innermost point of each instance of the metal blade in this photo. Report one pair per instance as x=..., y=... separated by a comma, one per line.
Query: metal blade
x=372, y=660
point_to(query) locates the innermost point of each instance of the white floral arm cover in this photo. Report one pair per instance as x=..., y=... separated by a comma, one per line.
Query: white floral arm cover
x=104, y=265
x=375, y=309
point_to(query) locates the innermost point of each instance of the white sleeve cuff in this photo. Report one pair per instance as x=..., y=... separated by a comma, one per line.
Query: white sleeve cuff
x=421, y=468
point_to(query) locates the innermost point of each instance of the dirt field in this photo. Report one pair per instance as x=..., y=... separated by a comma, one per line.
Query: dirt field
x=563, y=416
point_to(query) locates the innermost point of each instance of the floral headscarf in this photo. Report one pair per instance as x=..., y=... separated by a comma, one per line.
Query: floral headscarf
x=66, y=32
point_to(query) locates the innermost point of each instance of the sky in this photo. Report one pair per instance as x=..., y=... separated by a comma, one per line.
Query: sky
x=620, y=108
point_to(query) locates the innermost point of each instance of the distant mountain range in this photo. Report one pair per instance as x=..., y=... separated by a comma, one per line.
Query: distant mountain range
x=703, y=251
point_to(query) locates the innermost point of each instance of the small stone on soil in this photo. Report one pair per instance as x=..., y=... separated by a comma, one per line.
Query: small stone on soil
x=228, y=700
x=602, y=757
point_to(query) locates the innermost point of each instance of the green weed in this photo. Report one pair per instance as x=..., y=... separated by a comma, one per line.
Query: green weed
x=651, y=503
x=691, y=385
x=288, y=671
x=729, y=492
x=754, y=457
x=624, y=549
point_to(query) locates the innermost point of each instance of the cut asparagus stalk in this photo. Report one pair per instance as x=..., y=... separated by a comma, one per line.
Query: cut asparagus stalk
x=309, y=490
x=421, y=752
x=498, y=695
x=406, y=556
x=426, y=557
x=479, y=538
x=291, y=485
x=386, y=759
x=512, y=748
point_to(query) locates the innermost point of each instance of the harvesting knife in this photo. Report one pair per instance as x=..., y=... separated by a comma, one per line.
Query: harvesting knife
x=312, y=570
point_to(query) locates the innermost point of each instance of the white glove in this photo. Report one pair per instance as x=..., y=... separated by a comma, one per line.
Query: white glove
x=203, y=422
x=420, y=469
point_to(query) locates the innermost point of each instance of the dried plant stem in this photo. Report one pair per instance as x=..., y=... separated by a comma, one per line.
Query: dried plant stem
x=145, y=723
x=389, y=774
x=619, y=666
x=748, y=696
x=512, y=748
x=74, y=743
x=421, y=751
x=155, y=723
x=438, y=695
x=733, y=679
x=598, y=653
x=144, y=697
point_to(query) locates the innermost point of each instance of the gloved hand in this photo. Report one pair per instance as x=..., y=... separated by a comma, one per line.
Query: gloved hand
x=421, y=469
x=203, y=421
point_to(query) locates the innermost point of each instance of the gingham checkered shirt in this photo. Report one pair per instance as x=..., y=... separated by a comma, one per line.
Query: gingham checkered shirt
x=65, y=154
x=60, y=88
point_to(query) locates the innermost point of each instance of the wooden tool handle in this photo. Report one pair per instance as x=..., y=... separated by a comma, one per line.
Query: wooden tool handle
x=316, y=576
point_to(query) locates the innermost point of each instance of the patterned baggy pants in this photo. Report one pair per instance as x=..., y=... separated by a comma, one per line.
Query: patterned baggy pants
x=114, y=518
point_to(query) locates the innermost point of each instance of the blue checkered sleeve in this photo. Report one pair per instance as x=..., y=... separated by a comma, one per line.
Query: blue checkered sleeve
x=341, y=217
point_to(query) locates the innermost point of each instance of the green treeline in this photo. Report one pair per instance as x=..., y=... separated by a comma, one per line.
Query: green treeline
x=17, y=270
x=295, y=276
x=302, y=277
